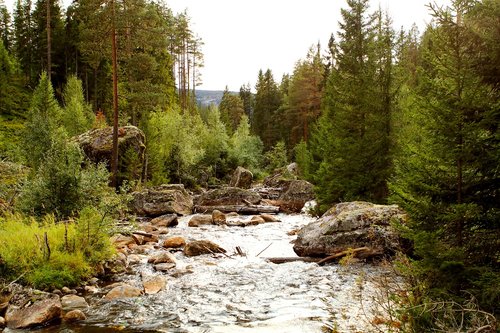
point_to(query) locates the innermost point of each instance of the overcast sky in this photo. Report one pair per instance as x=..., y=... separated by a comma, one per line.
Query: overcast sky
x=243, y=36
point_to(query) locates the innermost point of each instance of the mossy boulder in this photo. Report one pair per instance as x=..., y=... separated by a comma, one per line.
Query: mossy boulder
x=351, y=225
x=97, y=144
x=161, y=200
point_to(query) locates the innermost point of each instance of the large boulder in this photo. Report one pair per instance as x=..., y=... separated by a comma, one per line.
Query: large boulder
x=291, y=196
x=39, y=313
x=241, y=178
x=351, y=225
x=228, y=196
x=161, y=200
x=97, y=144
x=199, y=220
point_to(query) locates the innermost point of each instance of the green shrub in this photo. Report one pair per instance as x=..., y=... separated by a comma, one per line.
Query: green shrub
x=48, y=253
x=276, y=157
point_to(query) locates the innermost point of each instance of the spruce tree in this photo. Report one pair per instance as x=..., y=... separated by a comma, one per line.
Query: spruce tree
x=446, y=171
x=350, y=144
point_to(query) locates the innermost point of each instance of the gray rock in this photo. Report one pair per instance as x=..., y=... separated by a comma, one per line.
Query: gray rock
x=199, y=220
x=351, y=225
x=199, y=247
x=97, y=144
x=162, y=257
x=228, y=196
x=161, y=200
x=241, y=178
x=41, y=312
x=167, y=220
x=73, y=302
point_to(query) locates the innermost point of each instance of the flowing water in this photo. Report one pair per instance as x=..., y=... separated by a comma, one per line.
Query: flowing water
x=240, y=293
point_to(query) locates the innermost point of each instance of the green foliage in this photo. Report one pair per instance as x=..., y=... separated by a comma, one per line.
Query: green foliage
x=77, y=116
x=351, y=144
x=303, y=159
x=174, y=145
x=245, y=149
x=12, y=93
x=60, y=185
x=42, y=123
x=276, y=157
x=446, y=167
x=52, y=254
x=231, y=110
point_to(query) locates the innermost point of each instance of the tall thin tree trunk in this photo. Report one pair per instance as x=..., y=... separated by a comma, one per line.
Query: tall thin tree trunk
x=49, y=46
x=114, y=162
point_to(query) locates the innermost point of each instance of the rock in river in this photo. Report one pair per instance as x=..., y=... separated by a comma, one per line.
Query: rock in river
x=161, y=200
x=39, y=313
x=228, y=196
x=351, y=225
x=196, y=248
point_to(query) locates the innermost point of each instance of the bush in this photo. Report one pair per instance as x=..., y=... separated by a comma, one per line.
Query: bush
x=61, y=186
x=50, y=254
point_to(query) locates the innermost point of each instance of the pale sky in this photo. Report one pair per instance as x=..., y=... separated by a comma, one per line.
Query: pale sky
x=243, y=36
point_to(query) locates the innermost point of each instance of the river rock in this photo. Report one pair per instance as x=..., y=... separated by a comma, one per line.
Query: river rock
x=241, y=178
x=41, y=312
x=199, y=247
x=164, y=267
x=97, y=144
x=218, y=217
x=162, y=257
x=269, y=218
x=351, y=225
x=153, y=284
x=74, y=316
x=167, y=220
x=255, y=220
x=174, y=242
x=293, y=195
x=123, y=291
x=120, y=241
x=2, y=322
x=73, y=302
x=198, y=220
x=161, y=200
x=228, y=196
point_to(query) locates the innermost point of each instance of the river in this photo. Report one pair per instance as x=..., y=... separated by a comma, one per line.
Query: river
x=241, y=293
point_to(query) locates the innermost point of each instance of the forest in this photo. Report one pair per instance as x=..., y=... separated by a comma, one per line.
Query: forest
x=390, y=117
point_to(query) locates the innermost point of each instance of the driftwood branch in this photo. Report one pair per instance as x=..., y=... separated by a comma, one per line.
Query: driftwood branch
x=240, y=209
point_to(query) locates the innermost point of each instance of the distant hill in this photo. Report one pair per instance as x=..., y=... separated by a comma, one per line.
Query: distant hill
x=207, y=97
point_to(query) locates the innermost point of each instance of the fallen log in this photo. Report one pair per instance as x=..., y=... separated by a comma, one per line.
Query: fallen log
x=360, y=252
x=240, y=209
x=283, y=260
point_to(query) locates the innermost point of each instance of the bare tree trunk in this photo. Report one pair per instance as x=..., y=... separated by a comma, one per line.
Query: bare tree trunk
x=114, y=162
x=49, y=46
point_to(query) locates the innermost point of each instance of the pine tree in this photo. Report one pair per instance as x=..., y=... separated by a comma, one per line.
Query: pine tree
x=267, y=103
x=446, y=175
x=248, y=100
x=77, y=116
x=231, y=110
x=350, y=145
x=5, y=26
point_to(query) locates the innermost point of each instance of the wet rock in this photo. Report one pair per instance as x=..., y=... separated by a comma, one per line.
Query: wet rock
x=146, y=227
x=167, y=220
x=199, y=247
x=73, y=302
x=162, y=257
x=174, y=242
x=74, y=316
x=134, y=259
x=123, y=291
x=120, y=241
x=143, y=238
x=177, y=273
x=351, y=225
x=57, y=292
x=164, y=267
x=117, y=264
x=198, y=220
x=241, y=178
x=41, y=312
x=153, y=284
x=161, y=200
x=91, y=289
x=218, y=217
x=255, y=220
x=2, y=322
x=269, y=218
x=97, y=144
x=228, y=196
